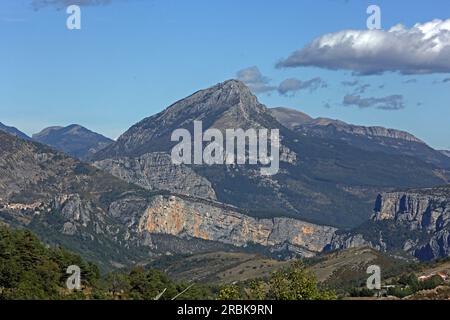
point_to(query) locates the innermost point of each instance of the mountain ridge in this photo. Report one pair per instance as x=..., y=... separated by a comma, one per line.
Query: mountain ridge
x=445, y=152
x=305, y=119
x=373, y=138
x=14, y=131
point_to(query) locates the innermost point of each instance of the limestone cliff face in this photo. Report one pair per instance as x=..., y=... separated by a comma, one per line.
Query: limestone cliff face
x=346, y=241
x=155, y=171
x=176, y=216
x=134, y=222
x=415, y=221
x=426, y=210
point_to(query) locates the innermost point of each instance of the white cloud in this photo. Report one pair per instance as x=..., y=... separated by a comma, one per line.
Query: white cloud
x=291, y=86
x=393, y=102
x=422, y=49
x=258, y=83
x=253, y=78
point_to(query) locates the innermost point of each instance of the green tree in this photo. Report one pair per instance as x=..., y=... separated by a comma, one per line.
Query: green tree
x=295, y=283
x=30, y=270
x=146, y=285
x=291, y=283
x=257, y=290
x=118, y=284
x=400, y=292
x=26, y=270
x=431, y=283
x=229, y=292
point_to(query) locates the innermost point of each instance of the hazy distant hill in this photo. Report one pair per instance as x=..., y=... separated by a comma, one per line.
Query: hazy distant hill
x=74, y=140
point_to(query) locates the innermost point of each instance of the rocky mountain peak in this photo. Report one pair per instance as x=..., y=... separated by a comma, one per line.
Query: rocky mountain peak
x=76, y=129
x=216, y=100
x=46, y=131
x=300, y=121
x=231, y=89
x=229, y=104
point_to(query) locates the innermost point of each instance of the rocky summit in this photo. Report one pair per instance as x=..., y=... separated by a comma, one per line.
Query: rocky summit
x=226, y=105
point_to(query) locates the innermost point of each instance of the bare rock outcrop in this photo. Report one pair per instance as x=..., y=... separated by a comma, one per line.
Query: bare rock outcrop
x=155, y=171
x=415, y=221
x=176, y=216
x=427, y=209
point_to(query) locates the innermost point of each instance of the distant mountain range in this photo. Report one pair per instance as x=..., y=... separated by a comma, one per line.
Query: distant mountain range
x=131, y=204
x=376, y=139
x=74, y=140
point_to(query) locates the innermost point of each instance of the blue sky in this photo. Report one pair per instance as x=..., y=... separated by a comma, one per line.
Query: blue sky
x=133, y=58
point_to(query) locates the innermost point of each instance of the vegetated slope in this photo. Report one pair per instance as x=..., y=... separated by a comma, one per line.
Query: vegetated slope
x=346, y=269
x=218, y=267
x=30, y=270
x=340, y=270
x=66, y=201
